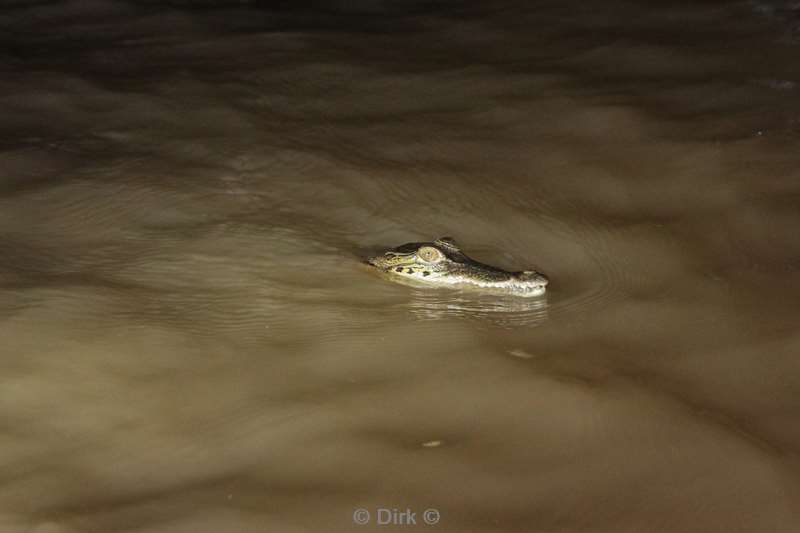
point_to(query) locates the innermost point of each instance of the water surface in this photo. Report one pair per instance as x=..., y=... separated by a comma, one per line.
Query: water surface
x=189, y=343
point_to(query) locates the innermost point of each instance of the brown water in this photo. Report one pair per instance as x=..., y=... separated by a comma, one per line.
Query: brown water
x=189, y=344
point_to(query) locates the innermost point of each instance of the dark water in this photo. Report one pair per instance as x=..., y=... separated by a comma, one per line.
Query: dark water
x=190, y=345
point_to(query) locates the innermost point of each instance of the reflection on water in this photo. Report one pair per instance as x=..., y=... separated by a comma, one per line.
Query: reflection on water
x=502, y=311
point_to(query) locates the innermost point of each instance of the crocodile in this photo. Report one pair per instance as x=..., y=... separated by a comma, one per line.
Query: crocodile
x=441, y=263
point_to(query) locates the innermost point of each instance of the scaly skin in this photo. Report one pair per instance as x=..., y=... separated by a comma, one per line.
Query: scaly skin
x=442, y=263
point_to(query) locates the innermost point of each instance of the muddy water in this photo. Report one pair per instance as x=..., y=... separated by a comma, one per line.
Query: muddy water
x=189, y=343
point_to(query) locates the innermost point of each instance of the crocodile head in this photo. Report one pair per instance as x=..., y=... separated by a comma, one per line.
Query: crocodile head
x=442, y=263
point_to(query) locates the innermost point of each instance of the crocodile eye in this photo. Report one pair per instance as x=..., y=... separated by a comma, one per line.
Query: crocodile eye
x=430, y=254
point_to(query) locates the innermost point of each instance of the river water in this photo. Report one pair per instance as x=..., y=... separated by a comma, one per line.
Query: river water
x=190, y=344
